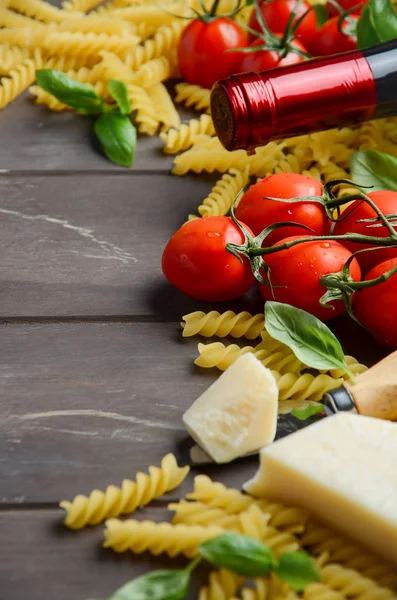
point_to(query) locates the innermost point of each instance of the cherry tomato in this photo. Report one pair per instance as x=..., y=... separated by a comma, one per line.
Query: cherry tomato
x=202, y=50
x=299, y=269
x=196, y=262
x=276, y=15
x=257, y=212
x=387, y=202
x=263, y=60
x=346, y=5
x=329, y=40
x=375, y=307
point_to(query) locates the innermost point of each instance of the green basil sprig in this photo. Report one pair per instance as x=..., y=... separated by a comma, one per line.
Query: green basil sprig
x=374, y=169
x=377, y=23
x=116, y=133
x=309, y=411
x=238, y=553
x=117, y=136
x=309, y=338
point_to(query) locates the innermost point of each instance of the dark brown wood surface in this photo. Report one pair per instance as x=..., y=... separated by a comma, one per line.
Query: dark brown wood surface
x=94, y=374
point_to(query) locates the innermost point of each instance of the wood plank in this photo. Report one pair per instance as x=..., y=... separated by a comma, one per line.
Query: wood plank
x=91, y=245
x=34, y=138
x=39, y=559
x=85, y=405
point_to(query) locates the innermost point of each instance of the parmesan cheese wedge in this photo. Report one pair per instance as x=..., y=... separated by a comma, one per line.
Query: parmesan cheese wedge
x=238, y=413
x=344, y=470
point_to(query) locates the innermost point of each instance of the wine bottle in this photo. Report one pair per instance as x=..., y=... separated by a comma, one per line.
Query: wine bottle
x=250, y=109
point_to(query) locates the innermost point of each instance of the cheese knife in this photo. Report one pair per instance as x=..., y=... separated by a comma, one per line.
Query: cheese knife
x=374, y=394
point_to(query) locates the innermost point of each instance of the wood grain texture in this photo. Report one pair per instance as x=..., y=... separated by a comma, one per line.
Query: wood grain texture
x=91, y=245
x=86, y=405
x=39, y=559
x=33, y=138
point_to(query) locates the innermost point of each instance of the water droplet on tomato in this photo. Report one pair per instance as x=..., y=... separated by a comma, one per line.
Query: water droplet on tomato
x=289, y=212
x=212, y=234
x=325, y=245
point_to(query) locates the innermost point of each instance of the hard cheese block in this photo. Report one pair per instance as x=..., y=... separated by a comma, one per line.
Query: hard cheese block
x=238, y=413
x=344, y=470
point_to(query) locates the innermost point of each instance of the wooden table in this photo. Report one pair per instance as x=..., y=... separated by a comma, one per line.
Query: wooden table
x=94, y=373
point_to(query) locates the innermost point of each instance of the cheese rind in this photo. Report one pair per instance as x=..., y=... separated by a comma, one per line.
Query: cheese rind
x=344, y=470
x=238, y=413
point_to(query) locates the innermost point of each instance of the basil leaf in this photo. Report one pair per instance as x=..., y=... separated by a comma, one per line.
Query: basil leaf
x=238, y=553
x=305, y=413
x=321, y=13
x=383, y=17
x=119, y=91
x=367, y=35
x=297, y=569
x=374, y=168
x=165, y=584
x=308, y=337
x=117, y=136
x=80, y=96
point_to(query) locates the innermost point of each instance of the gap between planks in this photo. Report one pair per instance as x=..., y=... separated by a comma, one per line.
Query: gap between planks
x=83, y=319
x=43, y=506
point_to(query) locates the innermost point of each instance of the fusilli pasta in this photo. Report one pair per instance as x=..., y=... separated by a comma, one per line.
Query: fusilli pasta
x=164, y=106
x=80, y=5
x=158, y=538
x=142, y=105
x=254, y=523
x=222, y=585
x=213, y=323
x=192, y=96
x=352, y=584
x=176, y=140
x=224, y=192
x=163, y=43
x=92, y=509
x=10, y=57
x=38, y=9
x=19, y=79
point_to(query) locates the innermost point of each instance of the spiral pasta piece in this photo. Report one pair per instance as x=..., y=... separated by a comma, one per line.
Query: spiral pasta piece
x=198, y=513
x=269, y=588
x=213, y=323
x=193, y=96
x=154, y=71
x=80, y=5
x=163, y=43
x=254, y=523
x=37, y=9
x=86, y=44
x=9, y=18
x=370, y=135
x=232, y=501
x=224, y=192
x=222, y=585
x=114, y=501
x=220, y=356
x=164, y=106
x=320, y=539
x=66, y=63
x=10, y=57
x=292, y=386
x=320, y=591
x=352, y=584
x=158, y=538
x=97, y=24
x=19, y=79
x=354, y=366
x=155, y=15
x=176, y=140
x=141, y=103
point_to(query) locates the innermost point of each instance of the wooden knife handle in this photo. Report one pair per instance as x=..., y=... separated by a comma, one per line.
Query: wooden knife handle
x=375, y=393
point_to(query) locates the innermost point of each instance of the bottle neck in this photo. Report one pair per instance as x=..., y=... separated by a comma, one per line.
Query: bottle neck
x=250, y=109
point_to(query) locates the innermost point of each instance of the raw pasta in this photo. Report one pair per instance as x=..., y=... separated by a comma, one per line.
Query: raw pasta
x=176, y=140
x=213, y=323
x=254, y=523
x=19, y=79
x=192, y=96
x=38, y=9
x=11, y=57
x=98, y=506
x=352, y=584
x=164, y=106
x=224, y=192
x=158, y=538
x=222, y=585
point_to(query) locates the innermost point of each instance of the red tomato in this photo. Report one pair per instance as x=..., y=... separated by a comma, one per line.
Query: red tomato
x=329, y=40
x=299, y=269
x=375, y=307
x=387, y=202
x=276, y=15
x=258, y=212
x=263, y=60
x=202, y=50
x=346, y=5
x=196, y=262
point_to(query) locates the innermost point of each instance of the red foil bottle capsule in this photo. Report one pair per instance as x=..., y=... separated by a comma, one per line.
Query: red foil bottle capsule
x=251, y=109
